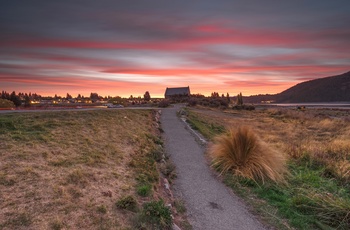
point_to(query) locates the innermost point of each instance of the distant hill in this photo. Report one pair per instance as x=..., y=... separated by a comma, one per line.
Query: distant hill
x=328, y=89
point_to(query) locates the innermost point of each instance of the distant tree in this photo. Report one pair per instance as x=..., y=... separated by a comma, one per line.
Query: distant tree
x=239, y=99
x=68, y=96
x=115, y=100
x=215, y=94
x=5, y=95
x=36, y=96
x=198, y=95
x=228, y=98
x=26, y=100
x=15, y=99
x=147, y=96
x=94, y=96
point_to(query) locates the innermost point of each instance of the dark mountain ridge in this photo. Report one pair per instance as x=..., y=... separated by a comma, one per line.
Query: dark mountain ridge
x=328, y=89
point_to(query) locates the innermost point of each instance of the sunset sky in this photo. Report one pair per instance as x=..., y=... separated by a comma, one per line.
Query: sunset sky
x=124, y=48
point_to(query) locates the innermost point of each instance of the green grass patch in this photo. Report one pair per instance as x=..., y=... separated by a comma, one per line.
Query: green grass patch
x=154, y=215
x=144, y=190
x=207, y=128
x=307, y=202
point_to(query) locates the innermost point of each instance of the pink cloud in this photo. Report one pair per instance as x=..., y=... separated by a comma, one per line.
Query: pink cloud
x=72, y=84
x=314, y=55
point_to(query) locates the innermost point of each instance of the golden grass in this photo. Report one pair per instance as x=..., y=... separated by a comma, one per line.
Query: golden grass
x=244, y=154
x=57, y=167
x=317, y=143
x=322, y=134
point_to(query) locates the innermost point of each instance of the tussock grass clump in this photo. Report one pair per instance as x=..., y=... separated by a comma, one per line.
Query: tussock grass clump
x=242, y=153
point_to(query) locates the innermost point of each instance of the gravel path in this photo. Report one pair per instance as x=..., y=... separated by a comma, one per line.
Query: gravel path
x=210, y=204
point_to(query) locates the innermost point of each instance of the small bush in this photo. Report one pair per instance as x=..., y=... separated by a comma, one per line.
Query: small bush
x=5, y=181
x=243, y=154
x=168, y=170
x=102, y=209
x=144, y=190
x=157, y=154
x=244, y=107
x=21, y=219
x=192, y=102
x=6, y=103
x=128, y=203
x=154, y=215
x=180, y=206
x=77, y=177
x=56, y=224
x=164, y=103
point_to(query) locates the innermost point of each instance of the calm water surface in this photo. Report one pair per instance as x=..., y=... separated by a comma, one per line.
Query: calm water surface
x=336, y=105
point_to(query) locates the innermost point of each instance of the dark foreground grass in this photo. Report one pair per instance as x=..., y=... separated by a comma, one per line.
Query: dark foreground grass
x=312, y=198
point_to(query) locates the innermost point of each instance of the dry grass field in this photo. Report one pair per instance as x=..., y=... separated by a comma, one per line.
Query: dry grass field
x=77, y=169
x=317, y=145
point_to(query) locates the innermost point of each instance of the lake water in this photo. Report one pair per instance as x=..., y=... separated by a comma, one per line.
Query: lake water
x=335, y=105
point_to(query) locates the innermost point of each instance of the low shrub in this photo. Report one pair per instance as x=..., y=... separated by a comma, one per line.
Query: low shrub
x=243, y=154
x=180, y=206
x=154, y=215
x=102, y=209
x=168, y=169
x=128, y=203
x=192, y=102
x=244, y=107
x=6, y=103
x=144, y=190
x=164, y=103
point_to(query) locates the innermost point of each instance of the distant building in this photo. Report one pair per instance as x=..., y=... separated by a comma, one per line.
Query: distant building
x=177, y=93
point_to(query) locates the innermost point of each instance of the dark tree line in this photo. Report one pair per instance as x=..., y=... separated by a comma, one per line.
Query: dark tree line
x=19, y=98
x=25, y=99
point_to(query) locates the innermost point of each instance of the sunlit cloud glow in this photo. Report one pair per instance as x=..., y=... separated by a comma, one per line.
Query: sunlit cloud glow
x=123, y=48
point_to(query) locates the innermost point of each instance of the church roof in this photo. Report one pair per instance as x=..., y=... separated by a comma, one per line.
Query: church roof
x=177, y=91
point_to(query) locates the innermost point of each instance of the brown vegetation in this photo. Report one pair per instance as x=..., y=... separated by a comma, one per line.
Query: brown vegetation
x=242, y=153
x=67, y=170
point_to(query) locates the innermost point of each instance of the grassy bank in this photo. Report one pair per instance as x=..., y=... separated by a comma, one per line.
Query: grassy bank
x=79, y=169
x=316, y=142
